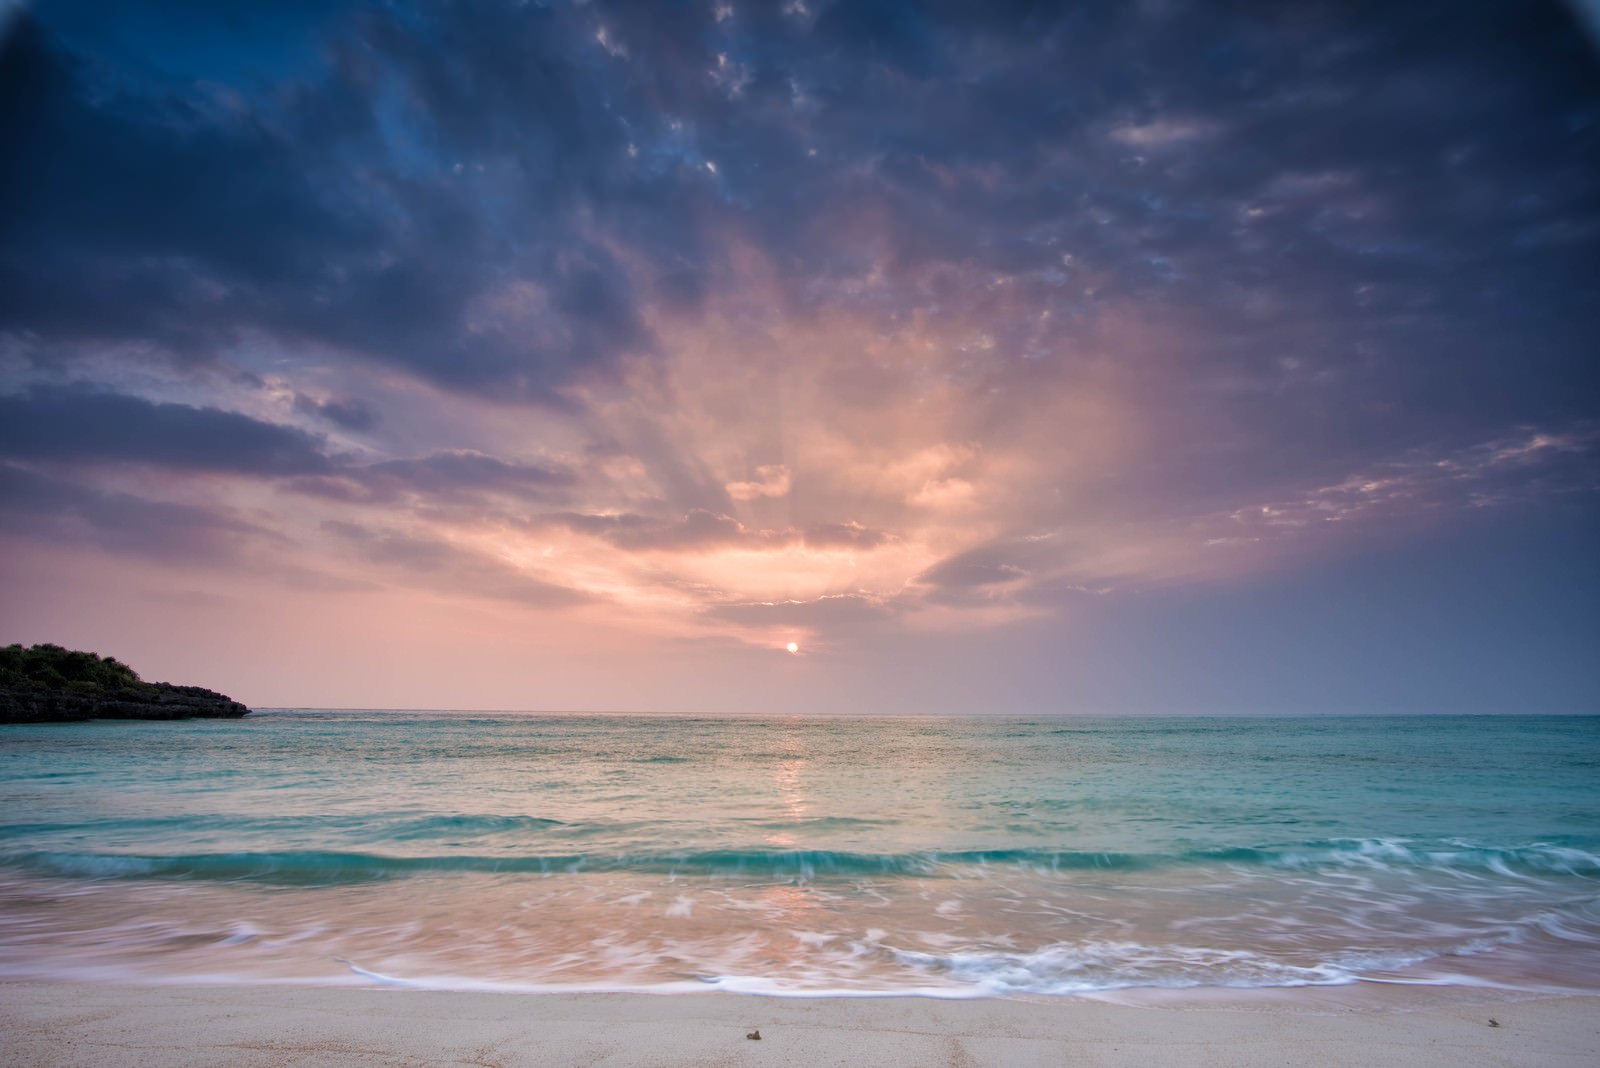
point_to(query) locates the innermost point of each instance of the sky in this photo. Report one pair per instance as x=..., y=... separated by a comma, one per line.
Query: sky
x=1146, y=356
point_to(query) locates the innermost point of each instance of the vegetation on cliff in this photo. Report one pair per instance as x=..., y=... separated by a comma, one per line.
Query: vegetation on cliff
x=47, y=683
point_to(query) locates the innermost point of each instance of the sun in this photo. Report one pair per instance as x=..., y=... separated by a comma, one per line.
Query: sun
x=793, y=647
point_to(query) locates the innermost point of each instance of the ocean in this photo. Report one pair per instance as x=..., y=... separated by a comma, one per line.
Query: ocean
x=946, y=857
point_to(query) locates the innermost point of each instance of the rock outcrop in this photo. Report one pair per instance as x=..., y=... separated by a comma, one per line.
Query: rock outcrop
x=19, y=704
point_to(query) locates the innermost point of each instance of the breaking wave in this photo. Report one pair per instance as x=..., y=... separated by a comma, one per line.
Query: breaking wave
x=315, y=868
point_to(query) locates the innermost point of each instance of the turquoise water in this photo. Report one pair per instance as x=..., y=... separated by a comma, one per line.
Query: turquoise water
x=944, y=856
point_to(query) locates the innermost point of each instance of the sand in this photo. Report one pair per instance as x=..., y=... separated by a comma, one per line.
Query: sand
x=114, y=1025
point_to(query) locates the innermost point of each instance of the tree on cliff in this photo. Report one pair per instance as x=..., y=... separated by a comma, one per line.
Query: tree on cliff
x=56, y=668
x=47, y=683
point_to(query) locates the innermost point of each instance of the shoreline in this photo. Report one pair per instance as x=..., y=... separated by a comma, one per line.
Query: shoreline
x=116, y=1024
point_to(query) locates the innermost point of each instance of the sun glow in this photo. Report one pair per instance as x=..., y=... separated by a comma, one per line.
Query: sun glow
x=793, y=647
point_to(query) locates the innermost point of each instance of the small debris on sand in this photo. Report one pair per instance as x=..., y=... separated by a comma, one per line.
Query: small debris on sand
x=755, y=1036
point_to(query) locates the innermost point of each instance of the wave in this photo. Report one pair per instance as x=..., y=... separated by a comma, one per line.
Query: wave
x=323, y=867
x=320, y=867
x=1092, y=966
x=1539, y=858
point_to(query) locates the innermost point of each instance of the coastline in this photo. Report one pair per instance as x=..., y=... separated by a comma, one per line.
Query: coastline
x=50, y=1023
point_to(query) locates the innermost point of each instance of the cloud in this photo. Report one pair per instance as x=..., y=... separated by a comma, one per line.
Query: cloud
x=700, y=529
x=63, y=511
x=488, y=198
x=441, y=566
x=872, y=311
x=772, y=480
x=1164, y=133
x=83, y=425
x=171, y=211
x=990, y=565
x=696, y=530
x=1530, y=466
x=892, y=32
x=848, y=534
x=823, y=613
x=452, y=475
x=346, y=413
x=199, y=217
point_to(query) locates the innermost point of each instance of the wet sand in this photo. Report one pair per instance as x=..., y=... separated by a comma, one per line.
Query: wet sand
x=47, y=1023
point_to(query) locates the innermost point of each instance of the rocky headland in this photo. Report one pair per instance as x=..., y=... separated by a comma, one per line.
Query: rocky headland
x=50, y=684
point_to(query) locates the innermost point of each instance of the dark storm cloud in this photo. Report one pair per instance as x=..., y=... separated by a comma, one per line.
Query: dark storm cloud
x=348, y=210
x=149, y=217
x=84, y=426
x=1363, y=221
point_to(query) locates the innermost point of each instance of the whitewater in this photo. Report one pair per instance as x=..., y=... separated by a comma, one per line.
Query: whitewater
x=955, y=857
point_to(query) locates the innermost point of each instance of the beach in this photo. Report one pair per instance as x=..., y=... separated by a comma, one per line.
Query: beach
x=832, y=532
x=327, y=887
x=169, y=1026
